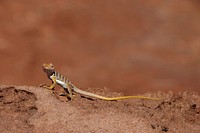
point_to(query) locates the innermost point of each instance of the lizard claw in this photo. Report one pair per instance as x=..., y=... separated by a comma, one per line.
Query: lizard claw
x=62, y=94
x=42, y=85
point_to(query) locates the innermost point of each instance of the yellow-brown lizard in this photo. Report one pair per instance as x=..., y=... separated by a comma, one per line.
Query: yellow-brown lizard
x=69, y=88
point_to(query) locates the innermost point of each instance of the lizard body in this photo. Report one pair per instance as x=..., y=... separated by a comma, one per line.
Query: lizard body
x=69, y=88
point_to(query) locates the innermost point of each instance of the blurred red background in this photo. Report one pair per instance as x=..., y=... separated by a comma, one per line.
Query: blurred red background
x=128, y=46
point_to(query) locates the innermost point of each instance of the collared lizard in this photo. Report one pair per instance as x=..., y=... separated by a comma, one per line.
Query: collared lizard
x=69, y=88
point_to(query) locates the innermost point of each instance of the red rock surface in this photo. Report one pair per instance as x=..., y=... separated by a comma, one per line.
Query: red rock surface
x=128, y=46
x=31, y=109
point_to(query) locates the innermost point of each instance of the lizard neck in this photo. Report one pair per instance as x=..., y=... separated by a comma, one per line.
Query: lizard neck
x=50, y=73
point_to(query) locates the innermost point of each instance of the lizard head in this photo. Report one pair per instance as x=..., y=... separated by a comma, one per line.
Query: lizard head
x=48, y=68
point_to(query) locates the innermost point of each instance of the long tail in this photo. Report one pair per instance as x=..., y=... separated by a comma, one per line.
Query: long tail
x=112, y=98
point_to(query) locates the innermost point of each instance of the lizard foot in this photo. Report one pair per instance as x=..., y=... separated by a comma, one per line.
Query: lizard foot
x=42, y=85
x=62, y=94
x=46, y=87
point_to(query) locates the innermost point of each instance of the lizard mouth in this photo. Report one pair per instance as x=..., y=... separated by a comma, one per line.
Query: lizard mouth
x=44, y=67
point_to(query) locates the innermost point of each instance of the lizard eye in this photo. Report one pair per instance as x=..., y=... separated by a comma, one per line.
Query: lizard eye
x=51, y=65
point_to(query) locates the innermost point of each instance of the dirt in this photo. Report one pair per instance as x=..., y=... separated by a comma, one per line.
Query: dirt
x=16, y=107
x=33, y=109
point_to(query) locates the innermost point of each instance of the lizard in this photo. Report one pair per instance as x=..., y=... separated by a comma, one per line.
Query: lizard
x=70, y=89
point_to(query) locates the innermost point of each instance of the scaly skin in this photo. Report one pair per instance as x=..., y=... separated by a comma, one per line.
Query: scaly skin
x=69, y=88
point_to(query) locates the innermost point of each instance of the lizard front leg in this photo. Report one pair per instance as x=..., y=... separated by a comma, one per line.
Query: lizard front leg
x=51, y=87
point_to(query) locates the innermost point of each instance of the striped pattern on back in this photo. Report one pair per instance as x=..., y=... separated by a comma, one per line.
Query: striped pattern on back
x=62, y=78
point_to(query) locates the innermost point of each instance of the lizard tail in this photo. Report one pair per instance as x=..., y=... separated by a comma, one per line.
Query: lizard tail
x=110, y=98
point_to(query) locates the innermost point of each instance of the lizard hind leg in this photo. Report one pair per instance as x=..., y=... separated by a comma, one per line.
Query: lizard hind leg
x=67, y=93
x=69, y=90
